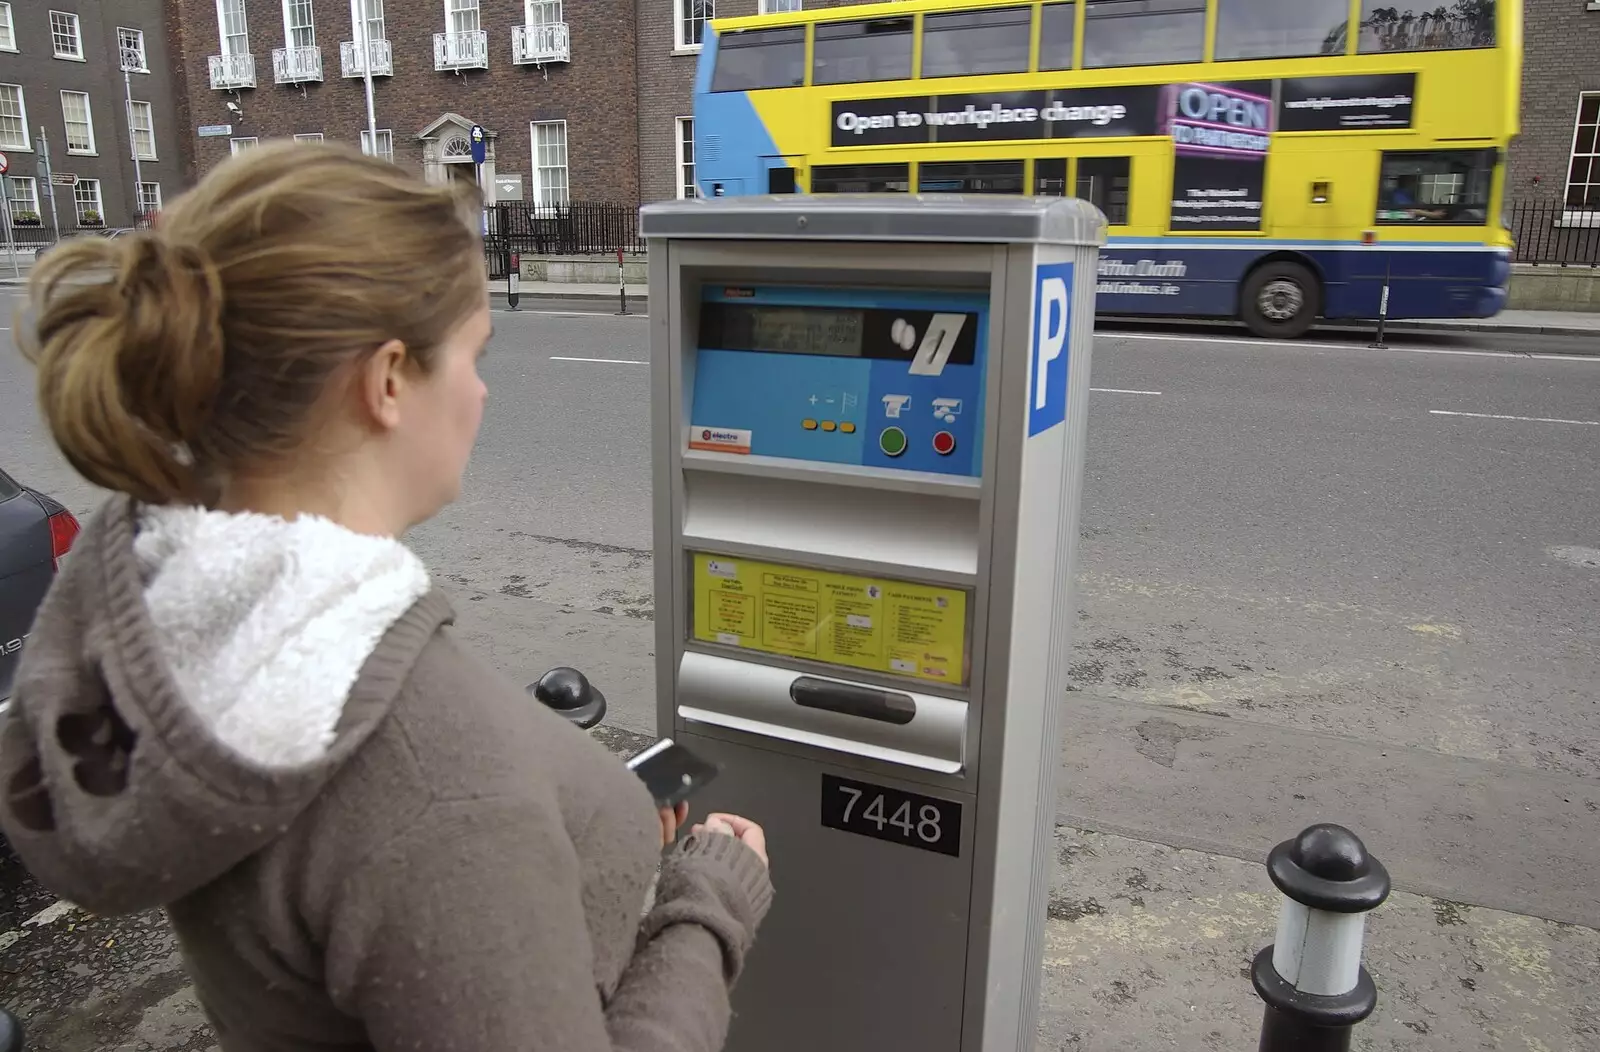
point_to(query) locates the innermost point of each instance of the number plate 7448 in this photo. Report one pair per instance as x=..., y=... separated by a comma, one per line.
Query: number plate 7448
x=894, y=815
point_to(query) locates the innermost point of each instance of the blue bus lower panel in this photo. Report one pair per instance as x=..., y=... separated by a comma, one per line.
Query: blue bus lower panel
x=1185, y=279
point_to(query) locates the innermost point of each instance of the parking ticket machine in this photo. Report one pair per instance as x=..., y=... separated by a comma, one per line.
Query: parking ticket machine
x=868, y=419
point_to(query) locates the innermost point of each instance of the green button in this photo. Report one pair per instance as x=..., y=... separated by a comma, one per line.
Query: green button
x=892, y=441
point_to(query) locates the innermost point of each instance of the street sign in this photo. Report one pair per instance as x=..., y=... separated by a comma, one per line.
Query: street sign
x=63, y=179
x=5, y=164
x=480, y=145
x=208, y=131
x=507, y=186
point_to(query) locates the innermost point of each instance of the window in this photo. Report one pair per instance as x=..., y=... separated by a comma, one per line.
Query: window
x=1280, y=28
x=86, y=200
x=65, y=36
x=779, y=7
x=860, y=178
x=13, y=118
x=855, y=52
x=689, y=20
x=385, y=147
x=1143, y=32
x=142, y=130
x=969, y=177
x=149, y=198
x=686, y=186
x=239, y=146
x=1467, y=24
x=549, y=162
x=299, y=27
x=1057, y=33
x=461, y=16
x=760, y=58
x=233, y=28
x=1583, y=180
x=1442, y=186
x=373, y=11
x=8, y=29
x=965, y=42
x=23, y=196
x=543, y=13
x=130, y=49
x=308, y=137
x=1103, y=182
x=80, y=123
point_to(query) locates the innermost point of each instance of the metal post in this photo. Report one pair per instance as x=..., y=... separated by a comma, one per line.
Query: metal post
x=622, y=283
x=1383, y=306
x=1311, y=978
x=366, y=72
x=513, y=275
x=50, y=190
x=133, y=142
x=11, y=239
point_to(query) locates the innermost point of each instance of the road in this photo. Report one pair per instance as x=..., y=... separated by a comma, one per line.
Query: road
x=1318, y=582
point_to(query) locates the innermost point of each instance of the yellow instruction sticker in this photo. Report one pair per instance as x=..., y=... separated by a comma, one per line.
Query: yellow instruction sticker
x=868, y=623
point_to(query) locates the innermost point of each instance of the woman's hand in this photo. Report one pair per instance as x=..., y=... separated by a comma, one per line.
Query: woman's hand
x=672, y=820
x=743, y=830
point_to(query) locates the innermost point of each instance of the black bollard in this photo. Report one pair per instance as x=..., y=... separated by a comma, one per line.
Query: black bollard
x=1311, y=978
x=10, y=1033
x=568, y=692
x=514, y=280
x=1383, y=309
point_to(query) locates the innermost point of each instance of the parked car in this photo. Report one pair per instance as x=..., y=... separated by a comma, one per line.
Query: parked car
x=110, y=231
x=35, y=533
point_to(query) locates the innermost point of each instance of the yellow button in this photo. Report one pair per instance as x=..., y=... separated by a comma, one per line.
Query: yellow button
x=848, y=428
x=828, y=425
x=809, y=425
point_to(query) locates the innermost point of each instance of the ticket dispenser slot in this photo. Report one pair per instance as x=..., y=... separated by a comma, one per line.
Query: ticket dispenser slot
x=865, y=522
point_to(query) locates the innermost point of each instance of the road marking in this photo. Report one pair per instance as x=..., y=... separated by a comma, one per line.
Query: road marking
x=568, y=313
x=1290, y=345
x=49, y=915
x=1121, y=390
x=1524, y=419
x=606, y=361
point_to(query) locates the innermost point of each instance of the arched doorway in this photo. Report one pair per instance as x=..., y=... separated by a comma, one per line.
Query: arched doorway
x=456, y=156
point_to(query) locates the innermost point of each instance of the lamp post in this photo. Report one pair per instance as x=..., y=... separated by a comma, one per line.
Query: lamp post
x=131, y=63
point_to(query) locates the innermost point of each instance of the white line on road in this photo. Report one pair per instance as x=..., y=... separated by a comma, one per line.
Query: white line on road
x=606, y=361
x=1292, y=345
x=49, y=915
x=1121, y=390
x=1524, y=419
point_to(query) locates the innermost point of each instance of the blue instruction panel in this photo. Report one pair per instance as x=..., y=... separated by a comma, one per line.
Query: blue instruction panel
x=876, y=377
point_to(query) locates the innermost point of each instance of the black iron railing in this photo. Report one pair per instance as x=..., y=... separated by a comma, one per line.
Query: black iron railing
x=576, y=228
x=1551, y=232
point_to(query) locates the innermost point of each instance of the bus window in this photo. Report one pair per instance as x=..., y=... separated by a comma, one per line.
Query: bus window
x=1391, y=28
x=1103, y=182
x=966, y=42
x=969, y=177
x=1438, y=186
x=1143, y=32
x=855, y=52
x=860, y=178
x=1050, y=177
x=760, y=58
x=1057, y=29
x=1280, y=28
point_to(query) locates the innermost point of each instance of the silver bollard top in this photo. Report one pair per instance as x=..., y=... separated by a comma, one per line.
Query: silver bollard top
x=988, y=218
x=1327, y=867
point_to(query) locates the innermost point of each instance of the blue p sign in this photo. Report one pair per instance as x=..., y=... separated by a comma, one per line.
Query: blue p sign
x=1047, y=367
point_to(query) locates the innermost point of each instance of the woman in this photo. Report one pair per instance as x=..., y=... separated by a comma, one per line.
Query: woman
x=240, y=701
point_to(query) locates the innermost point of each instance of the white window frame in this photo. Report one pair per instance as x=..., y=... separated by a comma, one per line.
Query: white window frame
x=681, y=14
x=242, y=47
x=88, y=119
x=686, y=187
x=380, y=19
x=453, y=8
x=22, y=105
x=154, y=201
x=1572, y=155
x=243, y=143
x=308, y=137
x=780, y=7
x=134, y=129
x=124, y=35
x=289, y=28
x=79, y=206
x=16, y=182
x=385, y=145
x=10, y=24
x=77, y=36
x=541, y=195
x=538, y=12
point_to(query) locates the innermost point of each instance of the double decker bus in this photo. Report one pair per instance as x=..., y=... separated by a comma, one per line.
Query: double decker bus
x=1274, y=161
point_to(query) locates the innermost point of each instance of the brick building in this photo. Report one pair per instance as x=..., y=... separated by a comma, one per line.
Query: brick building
x=1556, y=156
x=62, y=85
x=552, y=82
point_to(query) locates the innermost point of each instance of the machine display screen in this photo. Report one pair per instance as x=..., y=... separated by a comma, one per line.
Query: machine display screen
x=873, y=377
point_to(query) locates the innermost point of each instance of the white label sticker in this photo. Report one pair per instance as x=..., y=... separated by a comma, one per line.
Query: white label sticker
x=902, y=665
x=722, y=568
x=858, y=621
x=729, y=638
x=719, y=439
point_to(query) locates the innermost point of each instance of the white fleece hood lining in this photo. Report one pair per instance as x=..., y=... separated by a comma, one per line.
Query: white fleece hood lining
x=265, y=622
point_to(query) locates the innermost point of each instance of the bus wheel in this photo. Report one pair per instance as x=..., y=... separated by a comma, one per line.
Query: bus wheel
x=1280, y=300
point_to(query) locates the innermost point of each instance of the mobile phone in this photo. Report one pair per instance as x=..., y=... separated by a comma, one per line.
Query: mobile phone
x=672, y=772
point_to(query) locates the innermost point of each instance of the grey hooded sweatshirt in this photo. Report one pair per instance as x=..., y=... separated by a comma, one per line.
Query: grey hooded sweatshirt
x=364, y=838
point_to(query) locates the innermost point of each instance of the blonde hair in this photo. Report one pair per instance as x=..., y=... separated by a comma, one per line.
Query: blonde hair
x=170, y=358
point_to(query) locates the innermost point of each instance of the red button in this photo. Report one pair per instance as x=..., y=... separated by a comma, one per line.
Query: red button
x=944, y=443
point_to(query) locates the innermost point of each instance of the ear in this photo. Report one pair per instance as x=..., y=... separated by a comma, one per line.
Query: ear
x=380, y=382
